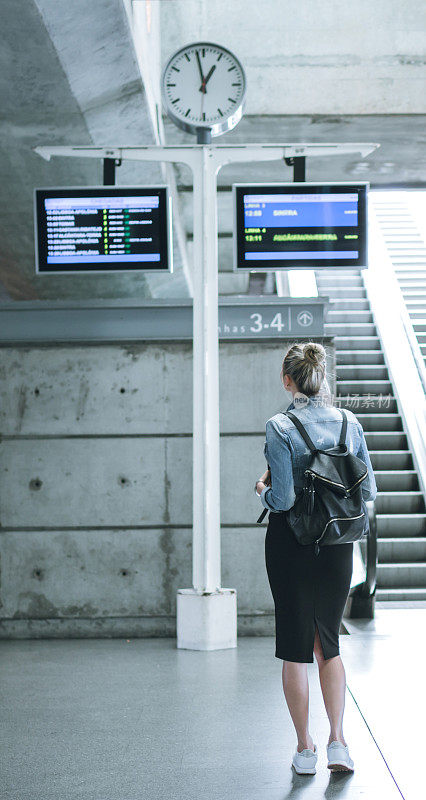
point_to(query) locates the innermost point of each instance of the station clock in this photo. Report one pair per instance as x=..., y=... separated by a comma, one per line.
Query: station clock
x=204, y=90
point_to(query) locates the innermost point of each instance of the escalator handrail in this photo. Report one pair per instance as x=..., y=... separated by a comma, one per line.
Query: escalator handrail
x=371, y=558
x=413, y=342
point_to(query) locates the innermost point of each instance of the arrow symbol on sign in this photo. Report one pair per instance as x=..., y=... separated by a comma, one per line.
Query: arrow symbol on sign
x=305, y=318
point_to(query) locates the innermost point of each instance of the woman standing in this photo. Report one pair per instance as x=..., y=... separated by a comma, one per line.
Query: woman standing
x=309, y=590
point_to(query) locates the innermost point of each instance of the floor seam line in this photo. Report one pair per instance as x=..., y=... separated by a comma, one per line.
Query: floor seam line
x=376, y=742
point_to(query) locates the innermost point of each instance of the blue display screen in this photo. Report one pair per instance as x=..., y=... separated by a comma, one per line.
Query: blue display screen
x=301, y=225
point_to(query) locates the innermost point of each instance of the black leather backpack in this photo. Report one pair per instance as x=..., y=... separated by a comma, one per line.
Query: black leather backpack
x=330, y=509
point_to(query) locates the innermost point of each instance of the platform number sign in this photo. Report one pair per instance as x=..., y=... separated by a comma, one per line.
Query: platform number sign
x=258, y=324
x=270, y=320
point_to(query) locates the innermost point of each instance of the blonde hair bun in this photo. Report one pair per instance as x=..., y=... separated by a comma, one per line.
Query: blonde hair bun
x=314, y=353
x=305, y=363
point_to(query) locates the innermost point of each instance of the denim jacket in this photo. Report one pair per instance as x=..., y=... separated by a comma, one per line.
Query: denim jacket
x=288, y=455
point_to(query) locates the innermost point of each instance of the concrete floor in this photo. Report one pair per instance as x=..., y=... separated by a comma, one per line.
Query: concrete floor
x=130, y=719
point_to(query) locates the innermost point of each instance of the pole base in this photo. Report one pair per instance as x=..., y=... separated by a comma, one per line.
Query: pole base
x=206, y=621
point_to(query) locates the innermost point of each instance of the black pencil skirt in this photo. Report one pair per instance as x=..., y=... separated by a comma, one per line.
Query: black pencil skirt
x=308, y=590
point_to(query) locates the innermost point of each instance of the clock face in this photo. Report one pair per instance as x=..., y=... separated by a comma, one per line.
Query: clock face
x=204, y=87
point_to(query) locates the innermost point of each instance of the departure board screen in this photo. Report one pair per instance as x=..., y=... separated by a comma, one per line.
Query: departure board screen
x=103, y=229
x=292, y=225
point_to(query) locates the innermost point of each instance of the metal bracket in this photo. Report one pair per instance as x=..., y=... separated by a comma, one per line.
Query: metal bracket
x=204, y=136
x=299, y=167
x=109, y=170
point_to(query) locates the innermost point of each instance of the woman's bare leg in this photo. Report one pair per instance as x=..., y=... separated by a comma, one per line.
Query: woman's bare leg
x=296, y=691
x=333, y=686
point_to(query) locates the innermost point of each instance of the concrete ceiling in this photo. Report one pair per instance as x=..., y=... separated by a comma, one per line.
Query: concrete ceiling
x=319, y=72
x=400, y=159
x=68, y=75
x=88, y=73
x=313, y=57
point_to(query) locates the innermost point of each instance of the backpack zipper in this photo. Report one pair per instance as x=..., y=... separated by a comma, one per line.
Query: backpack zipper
x=335, y=483
x=333, y=519
x=315, y=475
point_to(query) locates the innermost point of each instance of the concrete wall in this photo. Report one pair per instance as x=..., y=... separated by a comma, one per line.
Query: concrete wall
x=314, y=57
x=96, y=485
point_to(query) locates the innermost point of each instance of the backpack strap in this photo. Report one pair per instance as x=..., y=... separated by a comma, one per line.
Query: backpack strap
x=307, y=438
x=302, y=431
x=263, y=514
x=343, y=429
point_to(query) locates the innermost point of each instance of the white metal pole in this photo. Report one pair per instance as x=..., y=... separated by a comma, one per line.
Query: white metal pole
x=206, y=456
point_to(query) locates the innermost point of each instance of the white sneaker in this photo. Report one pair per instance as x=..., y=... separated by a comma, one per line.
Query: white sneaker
x=304, y=762
x=339, y=759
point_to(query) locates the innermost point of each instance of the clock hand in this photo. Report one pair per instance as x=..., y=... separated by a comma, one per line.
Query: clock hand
x=199, y=65
x=206, y=79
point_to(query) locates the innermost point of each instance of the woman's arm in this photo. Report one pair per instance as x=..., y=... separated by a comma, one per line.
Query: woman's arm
x=280, y=496
x=265, y=480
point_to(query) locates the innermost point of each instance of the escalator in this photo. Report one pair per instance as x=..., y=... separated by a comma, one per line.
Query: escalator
x=364, y=386
x=404, y=236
